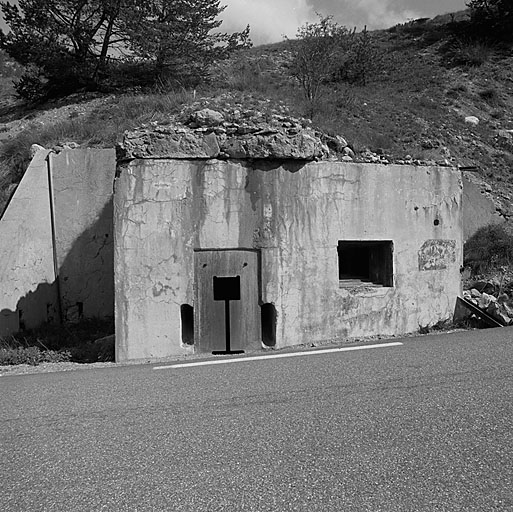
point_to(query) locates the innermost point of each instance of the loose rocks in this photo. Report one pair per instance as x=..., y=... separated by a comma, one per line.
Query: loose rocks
x=235, y=133
x=498, y=308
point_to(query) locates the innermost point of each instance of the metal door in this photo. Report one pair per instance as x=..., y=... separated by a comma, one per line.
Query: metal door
x=226, y=279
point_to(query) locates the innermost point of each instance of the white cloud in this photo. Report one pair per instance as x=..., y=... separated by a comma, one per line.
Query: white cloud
x=270, y=20
x=382, y=14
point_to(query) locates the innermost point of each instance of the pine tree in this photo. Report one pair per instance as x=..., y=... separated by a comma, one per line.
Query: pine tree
x=64, y=43
x=177, y=38
x=67, y=44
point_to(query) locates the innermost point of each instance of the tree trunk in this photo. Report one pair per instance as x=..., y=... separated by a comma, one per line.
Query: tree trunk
x=112, y=18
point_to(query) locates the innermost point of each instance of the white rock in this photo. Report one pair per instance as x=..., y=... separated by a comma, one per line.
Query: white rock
x=473, y=120
x=486, y=300
x=349, y=152
x=475, y=293
x=207, y=117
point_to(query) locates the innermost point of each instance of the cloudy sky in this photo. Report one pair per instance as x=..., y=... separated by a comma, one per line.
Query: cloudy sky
x=270, y=20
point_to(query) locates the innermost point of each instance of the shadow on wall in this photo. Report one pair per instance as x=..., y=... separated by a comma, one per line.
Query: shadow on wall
x=85, y=284
x=86, y=274
x=33, y=309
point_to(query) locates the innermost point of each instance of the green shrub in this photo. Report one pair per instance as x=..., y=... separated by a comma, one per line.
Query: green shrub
x=317, y=56
x=364, y=60
x=491, y=96
x=490, y=247
x=31, y=85
x=498, y=113
x=469, y=52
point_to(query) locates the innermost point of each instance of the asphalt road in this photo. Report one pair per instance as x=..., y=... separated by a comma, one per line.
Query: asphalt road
x=425, y=426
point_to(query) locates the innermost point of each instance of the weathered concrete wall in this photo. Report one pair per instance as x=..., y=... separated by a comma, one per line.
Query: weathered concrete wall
x=294, y=215
x=478, y=209
x=82, y=192
x=28, y=294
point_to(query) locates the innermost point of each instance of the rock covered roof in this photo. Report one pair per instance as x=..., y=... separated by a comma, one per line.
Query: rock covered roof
x=228, y=130
x=236, y=134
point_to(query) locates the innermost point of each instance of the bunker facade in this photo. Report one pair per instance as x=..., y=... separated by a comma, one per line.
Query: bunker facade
x=278, y=253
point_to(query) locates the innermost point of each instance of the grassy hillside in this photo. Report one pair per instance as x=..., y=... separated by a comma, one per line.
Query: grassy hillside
x=413, y=109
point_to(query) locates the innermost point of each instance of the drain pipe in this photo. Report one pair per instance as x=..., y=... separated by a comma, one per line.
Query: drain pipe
x=54, y=244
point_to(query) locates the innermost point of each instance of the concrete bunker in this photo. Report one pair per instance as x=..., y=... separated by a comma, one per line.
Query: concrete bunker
x=303, y=253
x=302, y=246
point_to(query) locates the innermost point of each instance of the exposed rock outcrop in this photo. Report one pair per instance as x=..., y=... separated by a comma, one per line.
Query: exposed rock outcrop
x=210, y=134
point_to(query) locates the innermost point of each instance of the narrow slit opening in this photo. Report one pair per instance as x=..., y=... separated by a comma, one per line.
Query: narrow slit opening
x=187, y=323
x=268, y=319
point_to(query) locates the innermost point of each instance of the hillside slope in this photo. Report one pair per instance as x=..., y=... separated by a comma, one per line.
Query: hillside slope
x=414, y=108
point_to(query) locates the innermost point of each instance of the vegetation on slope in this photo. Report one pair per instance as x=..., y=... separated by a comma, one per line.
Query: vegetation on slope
x=427, y=77
x=421, y=80
x=67, y=44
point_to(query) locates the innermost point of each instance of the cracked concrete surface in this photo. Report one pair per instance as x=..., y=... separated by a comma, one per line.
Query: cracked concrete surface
x=26, y=264
x=77, y=250
x=82, y=190
x=166, y=209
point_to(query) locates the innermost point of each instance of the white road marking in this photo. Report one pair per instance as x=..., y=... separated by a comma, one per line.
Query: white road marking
x=277, y=356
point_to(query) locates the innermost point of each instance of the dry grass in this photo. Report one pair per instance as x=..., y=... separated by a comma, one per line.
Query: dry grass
x=469, y=52
x=101, y=127
x=57, y=343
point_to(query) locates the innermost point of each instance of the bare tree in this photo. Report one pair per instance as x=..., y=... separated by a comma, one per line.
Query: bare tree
x=319, y=52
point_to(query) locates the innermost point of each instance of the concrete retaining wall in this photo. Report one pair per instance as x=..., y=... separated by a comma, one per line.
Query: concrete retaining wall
x=294, y=215
x=56, y=249
x=478, y=209
x=82, y=181
x=28, y=295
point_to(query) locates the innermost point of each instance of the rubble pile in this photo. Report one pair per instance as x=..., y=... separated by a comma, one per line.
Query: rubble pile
x=490, y=300
x=228, y=128
x=232, y=133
